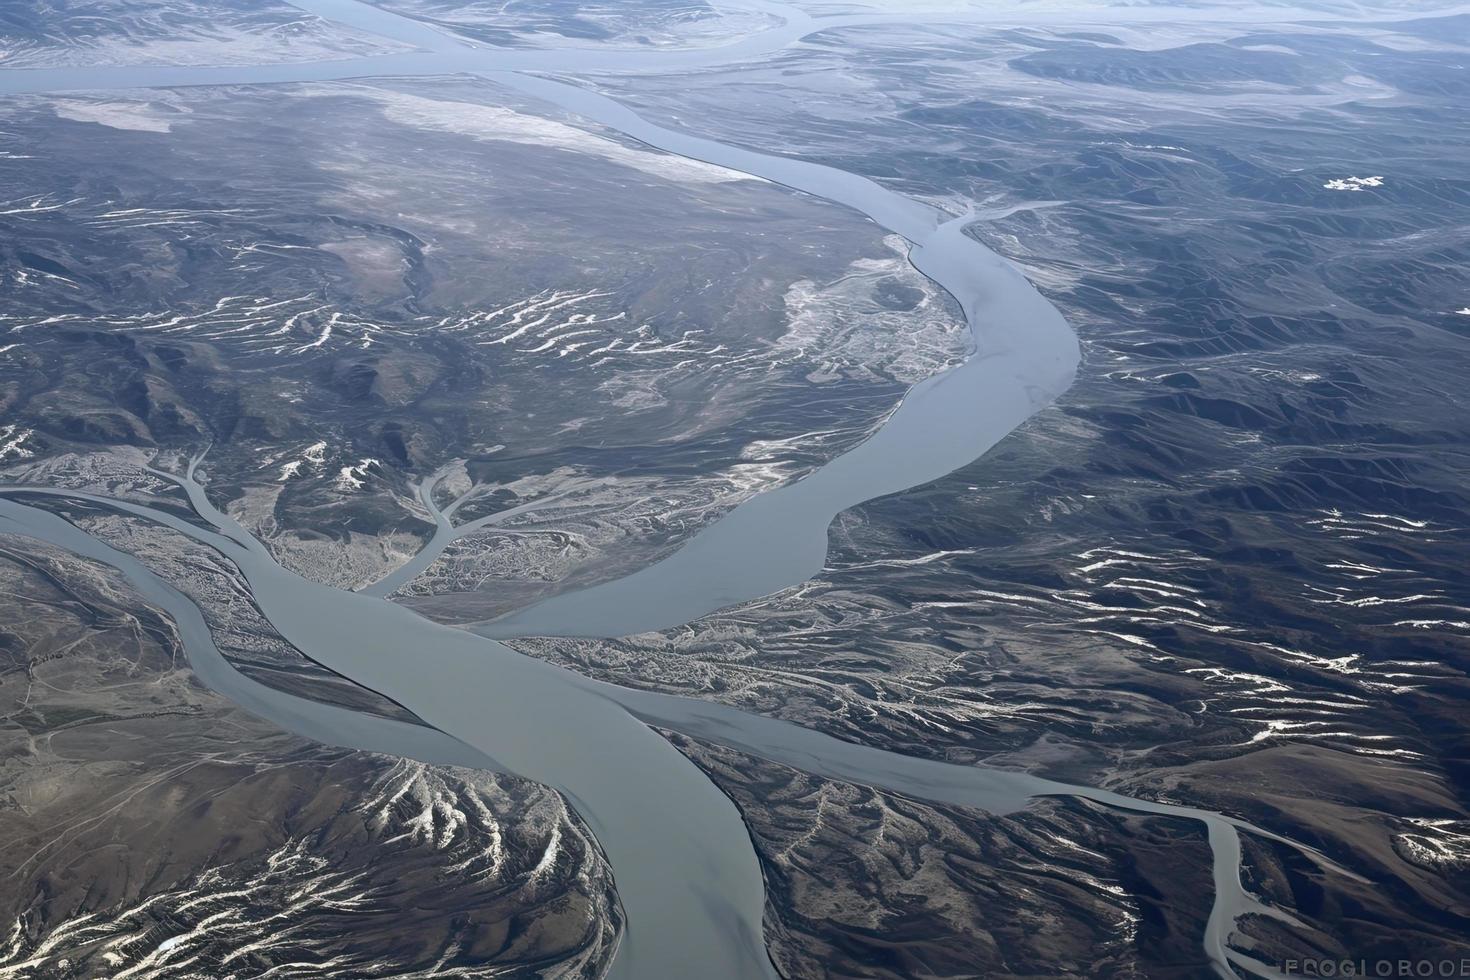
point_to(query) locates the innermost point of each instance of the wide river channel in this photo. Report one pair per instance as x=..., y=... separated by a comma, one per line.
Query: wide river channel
x=686, y=872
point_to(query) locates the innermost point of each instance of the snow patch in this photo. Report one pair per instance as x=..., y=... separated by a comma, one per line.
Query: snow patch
x=489, y=122
x=352, y=478
x=13, y=443
x=1353, y=183
x=139, y=116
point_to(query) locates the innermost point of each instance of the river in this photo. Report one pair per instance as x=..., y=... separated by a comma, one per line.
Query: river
x=686, y=871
